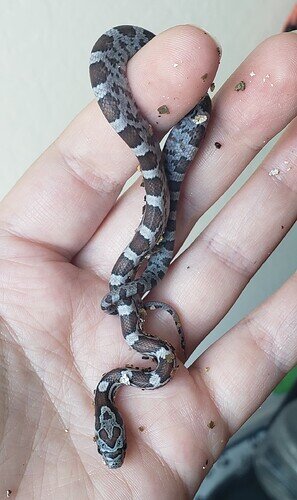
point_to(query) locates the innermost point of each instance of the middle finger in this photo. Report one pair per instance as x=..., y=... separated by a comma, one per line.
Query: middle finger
x=242, y=122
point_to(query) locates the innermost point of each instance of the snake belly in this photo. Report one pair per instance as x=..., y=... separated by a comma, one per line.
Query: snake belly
x=154, y=238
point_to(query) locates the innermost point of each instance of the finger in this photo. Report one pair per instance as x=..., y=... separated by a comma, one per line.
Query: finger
x=240, y=370
x=205, y=281
x=241, y=122
x=65, y=195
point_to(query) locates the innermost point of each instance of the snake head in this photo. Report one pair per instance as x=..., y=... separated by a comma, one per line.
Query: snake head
x=110, y=437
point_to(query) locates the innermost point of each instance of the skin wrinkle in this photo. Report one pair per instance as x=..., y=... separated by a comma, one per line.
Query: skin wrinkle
x=7, y=230
x=229, y=255
x=281, y=180
x=61, y=344
x=48, y=400
x=103, y=184
x=196, y=371
x=269, y=339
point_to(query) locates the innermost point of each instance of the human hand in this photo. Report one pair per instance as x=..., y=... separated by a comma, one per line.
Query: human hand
x=62, y=229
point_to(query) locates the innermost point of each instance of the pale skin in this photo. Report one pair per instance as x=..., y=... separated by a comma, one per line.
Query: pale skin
x=62, y=229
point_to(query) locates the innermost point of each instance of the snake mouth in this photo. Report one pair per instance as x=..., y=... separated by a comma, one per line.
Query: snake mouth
x=114, y=460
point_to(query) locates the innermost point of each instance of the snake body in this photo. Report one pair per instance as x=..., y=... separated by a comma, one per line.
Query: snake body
x=154, y=238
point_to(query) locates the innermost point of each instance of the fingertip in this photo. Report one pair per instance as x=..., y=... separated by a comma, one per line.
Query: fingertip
x=172, y=72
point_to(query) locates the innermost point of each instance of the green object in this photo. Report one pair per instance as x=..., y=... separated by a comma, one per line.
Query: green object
x=287, y=382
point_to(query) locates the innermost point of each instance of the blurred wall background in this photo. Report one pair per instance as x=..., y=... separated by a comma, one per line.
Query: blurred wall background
x=44, y=83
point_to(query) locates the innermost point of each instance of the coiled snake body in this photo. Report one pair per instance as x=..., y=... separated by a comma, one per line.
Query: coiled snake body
x=154, y=238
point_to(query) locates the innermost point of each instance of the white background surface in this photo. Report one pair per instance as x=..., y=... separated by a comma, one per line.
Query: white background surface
x=44, y=82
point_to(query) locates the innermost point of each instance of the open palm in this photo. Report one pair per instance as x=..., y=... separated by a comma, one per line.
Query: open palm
x=62, y=229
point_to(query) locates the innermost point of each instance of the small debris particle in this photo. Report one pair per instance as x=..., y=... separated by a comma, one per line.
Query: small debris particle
x=207, y=368
x=94, y=439
x=188, y=267
x=206, y=463
x=157, y=123
x=163, y=110
x=138, y=168
x=124, y=379
x=150, y=129
x=283, y=227
x=66, y=430
x=211, y=424
x=142, y=184
x=212, y=87
x=142, y=312
x=219, y=51
x=8, y=493
x=141, y=428
x=199, y=119
x=169, y=358
x=239, y=86
x=175, y=65
x=252, y=73
x=273, y=172
x=218, y=145
x=204, y=77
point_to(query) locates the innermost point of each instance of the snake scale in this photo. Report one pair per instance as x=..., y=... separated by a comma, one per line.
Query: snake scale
x=163, y=173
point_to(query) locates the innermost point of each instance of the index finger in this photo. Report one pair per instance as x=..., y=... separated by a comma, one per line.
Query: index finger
x=64, y=196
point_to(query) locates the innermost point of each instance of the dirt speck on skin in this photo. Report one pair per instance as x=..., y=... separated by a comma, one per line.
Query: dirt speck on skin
x=199, y=119
x=141, y=428
x=218, y=145
x=150, y=130
x=240, y=86
x=212, y=87
x=163, y=110
x=207, y=368
x=205, y=465
x=273, y=172
x=211, y=424
x=204, y=77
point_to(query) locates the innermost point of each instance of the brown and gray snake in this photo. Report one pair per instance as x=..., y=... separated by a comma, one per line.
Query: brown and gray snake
x=163, y=173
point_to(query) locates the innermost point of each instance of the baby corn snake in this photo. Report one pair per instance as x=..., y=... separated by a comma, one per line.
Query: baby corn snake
x=163, y=173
